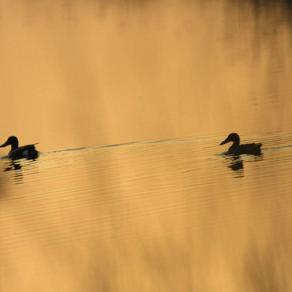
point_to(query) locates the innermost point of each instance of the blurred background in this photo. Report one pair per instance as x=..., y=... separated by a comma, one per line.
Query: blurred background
x=167, y=212
x=82, y=73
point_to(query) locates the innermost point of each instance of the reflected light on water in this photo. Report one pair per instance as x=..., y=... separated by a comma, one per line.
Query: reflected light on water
x=129, y=101
x=79, y=75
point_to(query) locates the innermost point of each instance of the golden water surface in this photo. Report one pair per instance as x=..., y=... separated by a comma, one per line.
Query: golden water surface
x=129, y=101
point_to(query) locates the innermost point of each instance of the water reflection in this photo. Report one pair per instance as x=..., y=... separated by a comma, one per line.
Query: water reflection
x=20, y=168
x=144, y=217
x=13, y=165
x=16, y=168
x=236, y=163
x=150, y=207
x=259, y=6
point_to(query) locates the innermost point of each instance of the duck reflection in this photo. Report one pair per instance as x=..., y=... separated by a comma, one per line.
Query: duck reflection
x=16, y=167
x=13, y=165
x=235, y=163
x=20, y=168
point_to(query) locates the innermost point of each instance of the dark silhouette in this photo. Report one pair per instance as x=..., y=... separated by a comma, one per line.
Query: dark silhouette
x=257, y=5
x=13, y=166
x=16, y=168
x=236, y=163
x=237, y=149
x=27, y=151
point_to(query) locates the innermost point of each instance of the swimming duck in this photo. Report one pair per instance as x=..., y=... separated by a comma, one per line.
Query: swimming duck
x=237, y=149
x=27, y=151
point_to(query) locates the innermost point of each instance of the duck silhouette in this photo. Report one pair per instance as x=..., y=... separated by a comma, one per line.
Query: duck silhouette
x=237, y=149
x=16, y=152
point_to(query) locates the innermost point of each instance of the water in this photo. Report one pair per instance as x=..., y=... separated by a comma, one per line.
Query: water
x=157, y=213
x=129, y=101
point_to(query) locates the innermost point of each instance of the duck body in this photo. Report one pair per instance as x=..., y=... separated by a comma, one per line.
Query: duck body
x=16, y=152
x=27, y=151
x=252, y=149
x=237, y=149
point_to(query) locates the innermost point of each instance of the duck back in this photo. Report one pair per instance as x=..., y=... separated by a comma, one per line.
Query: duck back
x=27, y=151
x=253, y=148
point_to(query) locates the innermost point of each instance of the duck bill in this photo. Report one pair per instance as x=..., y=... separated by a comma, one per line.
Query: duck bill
x=5, y=144
x=224, y=142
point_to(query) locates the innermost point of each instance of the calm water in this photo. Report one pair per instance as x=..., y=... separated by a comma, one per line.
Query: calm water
x=158, y=207
x=155, y=216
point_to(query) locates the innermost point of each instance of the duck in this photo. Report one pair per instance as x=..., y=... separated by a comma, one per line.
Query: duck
x=237, y=149
x=16, y=152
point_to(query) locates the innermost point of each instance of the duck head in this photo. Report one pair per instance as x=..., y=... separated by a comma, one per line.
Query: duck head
x=233, y=137
x=13, y=141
